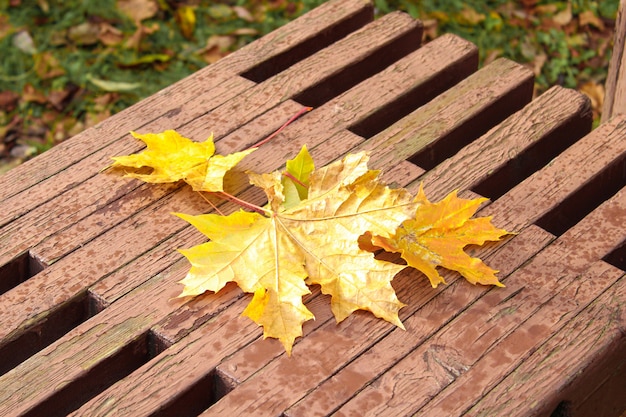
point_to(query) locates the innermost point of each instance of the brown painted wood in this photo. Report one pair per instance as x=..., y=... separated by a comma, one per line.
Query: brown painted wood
x=557, y=378
x=467, y=110
x=575, y=167
x=515, y=148
x=615, y=96
x=565, y=269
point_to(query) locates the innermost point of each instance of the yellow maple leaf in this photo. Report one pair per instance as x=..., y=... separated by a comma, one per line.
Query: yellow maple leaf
x=311, y=241
x=173, y=157
x=437, y=235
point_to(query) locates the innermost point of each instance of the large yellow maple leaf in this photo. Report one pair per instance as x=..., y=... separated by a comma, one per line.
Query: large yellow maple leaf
x=173, y=157
x=310, y=240
x=437, y=235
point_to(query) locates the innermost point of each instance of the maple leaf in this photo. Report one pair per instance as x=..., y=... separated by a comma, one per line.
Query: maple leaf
x=310, y=241
x=437, y=235
x=173, y=157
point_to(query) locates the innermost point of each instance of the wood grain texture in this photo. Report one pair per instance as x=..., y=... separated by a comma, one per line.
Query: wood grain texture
x=568, y=172
x=615, y=96
x=557, y=377
x=396, y=34
x=464, y=112
x=99, y=339
x=513, y=149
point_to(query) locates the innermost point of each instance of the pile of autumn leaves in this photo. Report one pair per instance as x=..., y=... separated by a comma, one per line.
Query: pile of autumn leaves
x=319, y=226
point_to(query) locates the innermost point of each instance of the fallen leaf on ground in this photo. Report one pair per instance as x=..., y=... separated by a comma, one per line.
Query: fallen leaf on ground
x=186, y=19
x=138, y=10
x=113, y=86
x=86, y=33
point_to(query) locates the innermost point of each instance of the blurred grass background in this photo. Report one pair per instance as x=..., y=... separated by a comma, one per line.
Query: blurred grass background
x=67, y=65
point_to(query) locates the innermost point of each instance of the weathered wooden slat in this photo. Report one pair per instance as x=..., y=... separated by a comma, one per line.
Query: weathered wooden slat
x=515, y=148
x=511, y=351
x=566, y=266
x=219, y=338
x=615, y=98
x=575, y=167
x=279, y=49
x=99, y=341
x=467, y=110
x=406, y=84
x=595, y=339
x=350, y=60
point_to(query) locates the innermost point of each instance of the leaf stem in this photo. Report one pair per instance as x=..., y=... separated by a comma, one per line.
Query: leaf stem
x=280, y=129
x=211, y=203
x=244, y=203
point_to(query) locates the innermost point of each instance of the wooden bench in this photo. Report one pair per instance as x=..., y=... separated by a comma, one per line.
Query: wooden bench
x=88, y=323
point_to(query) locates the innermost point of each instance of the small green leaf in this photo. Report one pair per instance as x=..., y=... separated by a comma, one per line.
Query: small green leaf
x=300, y=168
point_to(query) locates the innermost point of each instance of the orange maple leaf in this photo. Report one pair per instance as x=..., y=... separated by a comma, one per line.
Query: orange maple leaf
x=437, y=235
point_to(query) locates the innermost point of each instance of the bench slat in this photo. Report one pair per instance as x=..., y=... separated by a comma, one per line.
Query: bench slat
x=465, y=110
x=598, y=328
x=511, y=351
x=575, y=167
x=508, y=152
